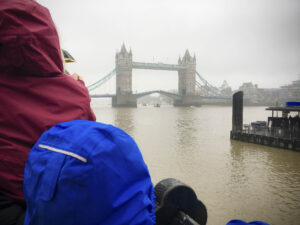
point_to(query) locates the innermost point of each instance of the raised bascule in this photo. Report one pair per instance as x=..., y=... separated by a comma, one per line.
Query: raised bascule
x=187, y=82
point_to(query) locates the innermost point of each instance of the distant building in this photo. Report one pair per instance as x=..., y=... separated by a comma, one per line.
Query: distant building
x=252, y=95
x=225, y=89
x=270, y=96
x=290, y=92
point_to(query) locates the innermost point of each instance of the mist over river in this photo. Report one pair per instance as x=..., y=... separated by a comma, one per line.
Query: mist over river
x=235, y=180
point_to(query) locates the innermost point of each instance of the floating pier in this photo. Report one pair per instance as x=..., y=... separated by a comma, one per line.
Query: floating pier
x=279, y=132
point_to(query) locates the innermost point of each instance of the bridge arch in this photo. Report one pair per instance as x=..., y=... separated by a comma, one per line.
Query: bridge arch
x=165, y=93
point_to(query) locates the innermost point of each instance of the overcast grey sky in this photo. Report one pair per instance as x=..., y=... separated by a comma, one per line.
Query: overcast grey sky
x=235, y=40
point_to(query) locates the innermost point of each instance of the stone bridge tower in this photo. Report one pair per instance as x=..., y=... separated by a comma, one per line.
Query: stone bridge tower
x=124, y=72
x=124, y=95
x=186, y=77
x=187, y=81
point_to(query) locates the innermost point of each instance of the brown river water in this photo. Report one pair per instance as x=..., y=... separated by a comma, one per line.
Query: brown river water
x=235, y=180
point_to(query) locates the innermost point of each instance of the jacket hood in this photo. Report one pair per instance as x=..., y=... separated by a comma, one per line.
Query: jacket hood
x=87, y=173
x=29, y=43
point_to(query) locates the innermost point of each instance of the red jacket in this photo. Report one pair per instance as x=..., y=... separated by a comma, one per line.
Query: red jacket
x=35, y=94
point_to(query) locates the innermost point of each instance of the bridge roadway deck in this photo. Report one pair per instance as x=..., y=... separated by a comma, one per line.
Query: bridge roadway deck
x=157, y=66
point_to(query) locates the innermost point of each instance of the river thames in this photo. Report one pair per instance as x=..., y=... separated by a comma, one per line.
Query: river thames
x=235, y=180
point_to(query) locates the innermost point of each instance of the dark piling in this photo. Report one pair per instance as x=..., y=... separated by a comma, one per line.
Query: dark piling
x=237, y=112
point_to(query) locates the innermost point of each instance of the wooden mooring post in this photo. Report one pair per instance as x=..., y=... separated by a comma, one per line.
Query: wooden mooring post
x=237, y=112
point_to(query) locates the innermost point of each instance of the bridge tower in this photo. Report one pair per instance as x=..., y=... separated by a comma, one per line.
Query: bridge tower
x=124, y=72
x=187, y=81
x=187, y=76
x=124, y=95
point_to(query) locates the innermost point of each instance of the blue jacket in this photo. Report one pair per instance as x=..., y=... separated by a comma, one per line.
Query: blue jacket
x=87, y=173
x=241, y=222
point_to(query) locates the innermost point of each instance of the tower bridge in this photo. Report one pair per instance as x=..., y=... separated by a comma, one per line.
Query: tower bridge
x=187, y=82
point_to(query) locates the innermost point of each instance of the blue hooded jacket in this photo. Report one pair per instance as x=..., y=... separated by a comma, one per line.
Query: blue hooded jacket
x=87, y=173
x=241, y=222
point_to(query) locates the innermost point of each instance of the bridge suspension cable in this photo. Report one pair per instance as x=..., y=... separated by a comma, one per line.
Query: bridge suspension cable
x=102, y=80
x=207, y=86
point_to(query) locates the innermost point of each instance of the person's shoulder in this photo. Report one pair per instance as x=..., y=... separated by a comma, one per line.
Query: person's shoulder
x=75, y=88
x=74, y=82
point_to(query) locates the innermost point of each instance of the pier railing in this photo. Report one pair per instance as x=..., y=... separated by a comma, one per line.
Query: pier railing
x=276, y=132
